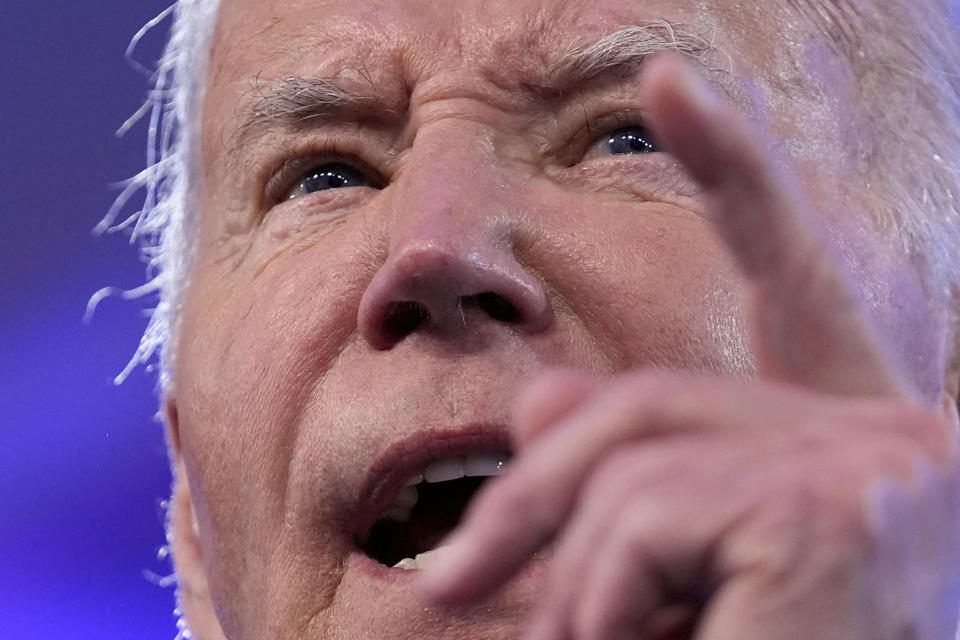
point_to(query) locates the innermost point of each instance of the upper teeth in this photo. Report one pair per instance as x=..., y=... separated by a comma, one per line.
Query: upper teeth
x=485, y=463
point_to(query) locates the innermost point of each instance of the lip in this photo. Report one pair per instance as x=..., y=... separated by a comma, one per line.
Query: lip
x=370, y=568
x=388, y=473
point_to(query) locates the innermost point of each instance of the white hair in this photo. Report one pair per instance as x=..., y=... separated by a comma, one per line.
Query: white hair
x=905, y=60
x=907, y=66
x=163, y=226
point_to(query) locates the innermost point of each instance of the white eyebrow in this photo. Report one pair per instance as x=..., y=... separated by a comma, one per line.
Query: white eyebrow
x=628, y=46
x=293, y=102
x=300, y=102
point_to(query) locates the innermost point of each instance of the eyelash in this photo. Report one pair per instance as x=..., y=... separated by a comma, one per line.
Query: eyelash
x=293, y=171
x=599, y=128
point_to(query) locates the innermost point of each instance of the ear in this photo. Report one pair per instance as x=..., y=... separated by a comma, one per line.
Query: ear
x=183, y=534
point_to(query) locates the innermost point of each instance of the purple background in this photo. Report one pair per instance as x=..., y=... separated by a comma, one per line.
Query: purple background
x=83, y=468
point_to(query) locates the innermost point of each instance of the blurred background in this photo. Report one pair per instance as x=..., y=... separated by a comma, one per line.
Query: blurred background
x=83, y=468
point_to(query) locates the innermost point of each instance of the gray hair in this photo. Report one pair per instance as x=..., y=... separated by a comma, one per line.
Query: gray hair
x=162, y=225
x=905, y=58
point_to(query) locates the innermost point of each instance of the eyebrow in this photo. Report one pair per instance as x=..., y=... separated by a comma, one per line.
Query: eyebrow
x=303, y=102
x=626, y=48
x=294, y=102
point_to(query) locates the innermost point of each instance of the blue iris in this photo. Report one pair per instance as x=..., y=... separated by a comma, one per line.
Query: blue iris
x=631, y=140
x=333, y=175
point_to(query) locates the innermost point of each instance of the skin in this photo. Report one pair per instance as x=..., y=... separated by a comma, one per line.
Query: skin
x=680, y=460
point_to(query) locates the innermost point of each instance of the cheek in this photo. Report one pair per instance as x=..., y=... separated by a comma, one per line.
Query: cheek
x=652, y=285
x=692, y=297
x=255, y=343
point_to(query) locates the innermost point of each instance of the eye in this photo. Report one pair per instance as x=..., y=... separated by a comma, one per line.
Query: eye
x=330, y=175
x=628, y=140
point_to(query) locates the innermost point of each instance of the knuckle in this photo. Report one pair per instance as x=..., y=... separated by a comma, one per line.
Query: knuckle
x=836, y=511
x=928, y=429
x=810, y=524
x=910, y=434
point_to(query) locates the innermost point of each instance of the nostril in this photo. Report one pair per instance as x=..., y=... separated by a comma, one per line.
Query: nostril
x=445, y=292
x=497, y=307
x=404, y=317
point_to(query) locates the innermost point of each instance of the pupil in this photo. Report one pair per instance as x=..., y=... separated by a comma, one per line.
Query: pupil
x=631, y=140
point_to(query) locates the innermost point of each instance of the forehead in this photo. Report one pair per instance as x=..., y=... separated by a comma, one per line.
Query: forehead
x=309, y=30
x=499, y=39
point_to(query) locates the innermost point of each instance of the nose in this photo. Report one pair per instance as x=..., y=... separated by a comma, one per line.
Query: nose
x=438, y=285
x=451, y=262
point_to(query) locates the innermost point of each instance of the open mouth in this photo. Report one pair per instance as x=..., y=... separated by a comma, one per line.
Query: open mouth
x=428, y=507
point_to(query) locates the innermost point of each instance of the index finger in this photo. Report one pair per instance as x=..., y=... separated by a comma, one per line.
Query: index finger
x=808, y=326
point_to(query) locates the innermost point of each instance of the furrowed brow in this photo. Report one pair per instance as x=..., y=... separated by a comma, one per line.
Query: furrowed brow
x=625, y=48
x=300, y=102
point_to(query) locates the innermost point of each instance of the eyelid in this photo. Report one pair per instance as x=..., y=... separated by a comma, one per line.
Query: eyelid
x=603, y=127
x=294, y=167
x=592, y=128
x=616, y=119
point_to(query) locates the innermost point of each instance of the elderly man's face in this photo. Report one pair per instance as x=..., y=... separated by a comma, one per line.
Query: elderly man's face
x=376, y=276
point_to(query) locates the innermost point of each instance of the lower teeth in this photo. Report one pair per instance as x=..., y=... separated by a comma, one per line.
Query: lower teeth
x=428, y=558
x=422, y=561
x=407, y=563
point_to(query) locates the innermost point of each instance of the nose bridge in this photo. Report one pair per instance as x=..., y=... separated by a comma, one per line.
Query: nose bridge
x=451, y=218
x=449, y=194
